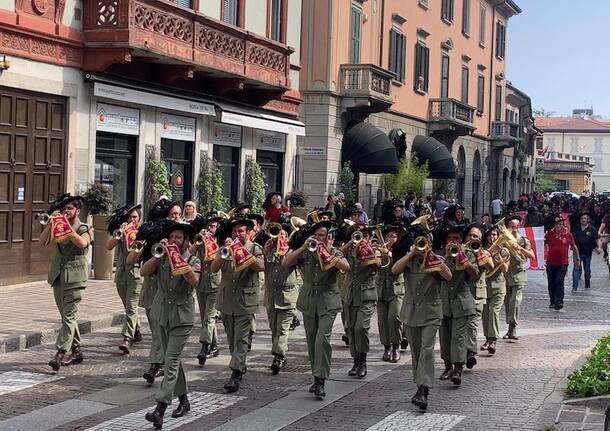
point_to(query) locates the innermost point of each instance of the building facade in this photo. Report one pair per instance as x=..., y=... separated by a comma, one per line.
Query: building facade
x=431, y=68
x=581, y=139
x=94, y=85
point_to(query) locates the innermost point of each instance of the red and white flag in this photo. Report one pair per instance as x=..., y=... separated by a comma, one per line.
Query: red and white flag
x=535, y=235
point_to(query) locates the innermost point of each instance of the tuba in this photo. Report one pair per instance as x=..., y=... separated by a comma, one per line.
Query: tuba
x=386, y=255
x=507, y=240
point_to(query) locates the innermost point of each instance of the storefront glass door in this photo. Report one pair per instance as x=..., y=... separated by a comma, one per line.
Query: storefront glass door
x=115, y=165
x=178, y=156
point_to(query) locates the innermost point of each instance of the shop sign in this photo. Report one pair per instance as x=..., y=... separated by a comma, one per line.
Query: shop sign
x=117, y=119
x=226, y=134
x=313, y=151
x=177, y=127
x=270, y=141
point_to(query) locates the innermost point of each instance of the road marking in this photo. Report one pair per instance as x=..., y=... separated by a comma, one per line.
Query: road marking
x=406, y=421
x=202, y=404
x=13, y=381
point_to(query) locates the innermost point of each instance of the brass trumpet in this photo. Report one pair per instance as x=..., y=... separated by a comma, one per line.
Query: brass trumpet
x=43, y=218
x=158, y=250
x=223, y=214
x=312, y=245
x=357, y=237
x=198, y=239
x=454, y=250
x=421, y=243
x=117, y=234
x=273, y=230
x=224, y=253
x=137, y=246
x=474, y=245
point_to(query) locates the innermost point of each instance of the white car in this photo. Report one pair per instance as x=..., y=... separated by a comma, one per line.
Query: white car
x=565, y=192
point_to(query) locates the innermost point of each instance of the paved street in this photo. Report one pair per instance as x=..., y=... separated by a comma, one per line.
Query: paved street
x=520, y=388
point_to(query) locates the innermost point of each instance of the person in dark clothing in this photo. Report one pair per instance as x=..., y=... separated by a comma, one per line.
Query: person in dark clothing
x=587, y=240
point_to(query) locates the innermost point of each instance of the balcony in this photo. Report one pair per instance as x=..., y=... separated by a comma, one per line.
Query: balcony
x=365, y=86
x=180, y=43
x=556, y=166
x=449, y=119
x=505, y=134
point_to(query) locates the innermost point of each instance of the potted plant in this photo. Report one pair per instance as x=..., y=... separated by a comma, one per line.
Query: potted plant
x=98, y=203
x=297, y=201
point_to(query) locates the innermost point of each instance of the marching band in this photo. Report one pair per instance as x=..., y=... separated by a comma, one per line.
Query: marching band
x=421, y=275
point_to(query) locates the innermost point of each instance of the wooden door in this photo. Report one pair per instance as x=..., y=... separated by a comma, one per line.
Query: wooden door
x=32, y=155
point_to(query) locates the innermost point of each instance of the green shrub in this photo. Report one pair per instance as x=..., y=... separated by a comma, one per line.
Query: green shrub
x=156, y=179
x=593, y=378
x=209, y=186
x=255, y=186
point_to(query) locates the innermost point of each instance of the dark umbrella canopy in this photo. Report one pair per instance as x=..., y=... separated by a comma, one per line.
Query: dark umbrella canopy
x=440, y=162
x=369, y=150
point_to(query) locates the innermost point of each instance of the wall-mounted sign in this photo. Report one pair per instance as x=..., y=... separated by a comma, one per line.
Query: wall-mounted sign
x=313, y=151
x=226, y=134
x=117, y=119
x=177, y=127
x=144, y=98
x=270, y=141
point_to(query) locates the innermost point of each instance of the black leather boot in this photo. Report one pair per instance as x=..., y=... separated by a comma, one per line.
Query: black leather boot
x=491, y=348
x=203, y=354
x=233, y=384
x=404, y=343
x=471, y=360
x=312, y=388
x=156, y=416
x=395, y=355
x=125, y=345
x=421, y=398
x=386, y=353
x=587, y=283
x=295, y=322
x=361, y=372
x=55, y=363
x=319, y=388
x=448, y=370
x=152, y=373
x=345, y=339
x=250, y=338
x=77, y=355
x=275, y=365
x=183, y=407
x=456, y=374
x=213, y=350
x=354, y=371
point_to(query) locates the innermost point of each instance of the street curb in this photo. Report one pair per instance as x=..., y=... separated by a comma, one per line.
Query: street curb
x=27, y=340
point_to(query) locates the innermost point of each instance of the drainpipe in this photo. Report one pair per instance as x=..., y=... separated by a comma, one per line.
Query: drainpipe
x=382, y=31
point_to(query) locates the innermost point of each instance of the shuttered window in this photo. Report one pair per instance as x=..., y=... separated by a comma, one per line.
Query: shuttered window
x=466, y=17
x=480, y=93
x=422, y=67
x=355, y=34
x=465, y=78
x=444, y=76
x=397, y=54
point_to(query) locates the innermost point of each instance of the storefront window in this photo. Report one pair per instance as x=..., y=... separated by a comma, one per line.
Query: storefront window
x=271, y=164
x=178, y=156
x=115, y=165
x=228, y=159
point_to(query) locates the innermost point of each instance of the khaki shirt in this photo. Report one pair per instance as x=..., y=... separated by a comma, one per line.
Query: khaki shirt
x=361, y=281
x=458, y=300
x=422, y=305
x=124, y=272
x=478, y=286
x=517, y=271
x=70, y=266
x=281, y=289
x=319, y=294
x=208, y=282
x=496, y=284
x=173, y=305
x=389, y=286
x=239, y=291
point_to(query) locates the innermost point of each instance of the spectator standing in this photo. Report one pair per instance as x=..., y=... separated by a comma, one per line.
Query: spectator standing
x=440, y=205
x=363, y=218
x=190, y=211
x=557, y=242
x=274, y=208
x=333, y=204
x=587, y=240
x=496, y=208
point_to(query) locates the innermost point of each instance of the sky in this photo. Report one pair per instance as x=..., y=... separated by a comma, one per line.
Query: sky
x=558, y=52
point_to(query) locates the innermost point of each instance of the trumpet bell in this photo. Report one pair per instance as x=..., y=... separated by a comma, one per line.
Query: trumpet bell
x=274, y=230
x=312, y=245
x=357, y=237
x=117, y=234
x=43, y=218
x=421, y=243
x=454, y=250
x=158, y=250
x=297, y=223
x=198, y=240
x=474, y=245
x=223, y=214
x=224, y=253
x=137, y=246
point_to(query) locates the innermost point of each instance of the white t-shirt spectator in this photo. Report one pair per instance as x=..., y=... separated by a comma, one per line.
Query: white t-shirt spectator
x=496, y=207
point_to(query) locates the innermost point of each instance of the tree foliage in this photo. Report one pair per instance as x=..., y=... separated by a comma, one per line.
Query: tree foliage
x=346, y=184
x=209, y=186
x=97, y=198
x=255, y=186
x=411, y=176
x=156, y=179
x=545, y=183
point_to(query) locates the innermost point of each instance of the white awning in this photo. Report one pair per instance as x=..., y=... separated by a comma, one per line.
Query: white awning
x=259, y=120
x=131, y=95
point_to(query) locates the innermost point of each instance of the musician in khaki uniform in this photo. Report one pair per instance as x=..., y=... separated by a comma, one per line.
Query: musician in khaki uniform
x=281, y=292
x=127, y=276
x=174, y=310
x=390, y=293
x=478, y=288
x=516, y=276
x=422, y=309
x=458, y=305
x=238, y=296
x=361, y=297
x=319, y=299
x=68, y=276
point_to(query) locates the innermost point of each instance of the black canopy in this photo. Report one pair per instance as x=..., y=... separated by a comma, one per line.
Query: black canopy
x=440, y=162
x=369, y=150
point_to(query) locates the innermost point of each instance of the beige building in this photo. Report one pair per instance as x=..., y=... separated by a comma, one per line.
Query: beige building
x=426, y=68
x=94, y=85
x=582, y=139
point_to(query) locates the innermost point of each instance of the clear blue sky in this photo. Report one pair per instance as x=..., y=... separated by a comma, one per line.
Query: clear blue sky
x=558, y=53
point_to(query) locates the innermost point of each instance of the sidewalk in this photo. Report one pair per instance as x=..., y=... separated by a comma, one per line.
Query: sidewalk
x=29, y=316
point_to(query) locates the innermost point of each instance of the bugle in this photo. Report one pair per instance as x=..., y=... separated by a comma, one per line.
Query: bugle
x=198, y=239
x=43, y=218
x=137, y=246
x=454, y=249
x=158, y=250
x=273, y=230
x=474, y=245
x=312, y=245
x=357, y=237
x=421, y=243
x=224, y=253
x=117, y=234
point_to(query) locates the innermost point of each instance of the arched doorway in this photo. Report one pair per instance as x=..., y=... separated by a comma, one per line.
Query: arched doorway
x=476, y=182
x=460, y=178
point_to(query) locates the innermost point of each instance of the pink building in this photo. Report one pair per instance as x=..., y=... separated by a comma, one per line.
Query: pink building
x=433, y=68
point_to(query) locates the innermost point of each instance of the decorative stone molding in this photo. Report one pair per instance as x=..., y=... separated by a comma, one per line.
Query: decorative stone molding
x=49, y=51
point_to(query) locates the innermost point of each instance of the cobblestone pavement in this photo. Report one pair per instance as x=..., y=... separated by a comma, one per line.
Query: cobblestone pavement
x=520, y=388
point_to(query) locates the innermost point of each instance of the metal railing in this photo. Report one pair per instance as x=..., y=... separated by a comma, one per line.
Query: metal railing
x=365, y=80
x=450, y=110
